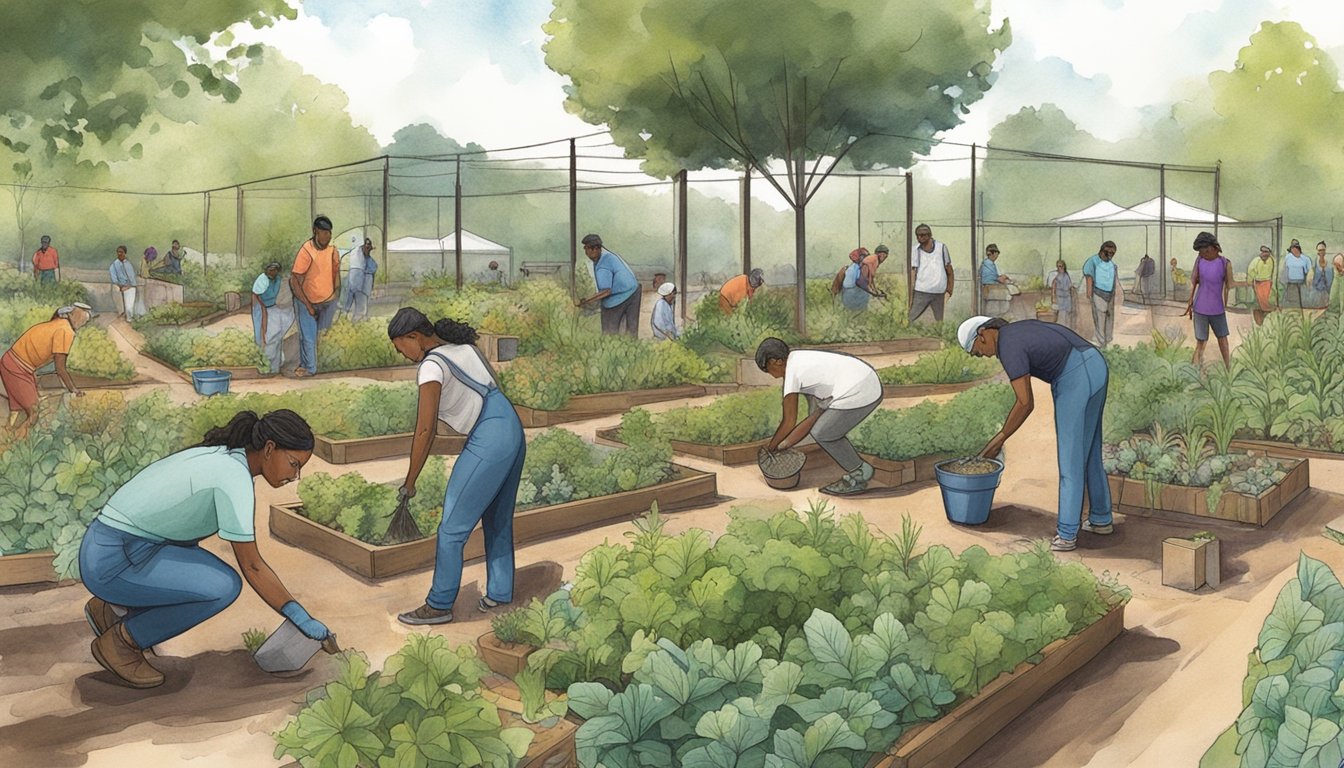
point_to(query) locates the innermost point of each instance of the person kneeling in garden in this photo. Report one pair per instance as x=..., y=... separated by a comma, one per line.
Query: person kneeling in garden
x=141, y=557
x=841, y=391
x=458, y=387
x=1077, y=374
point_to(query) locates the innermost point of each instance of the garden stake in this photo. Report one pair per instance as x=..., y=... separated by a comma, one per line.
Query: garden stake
x=403, y=527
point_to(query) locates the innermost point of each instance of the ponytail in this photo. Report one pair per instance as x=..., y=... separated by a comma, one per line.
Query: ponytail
x=411, y=320
x=284, y=427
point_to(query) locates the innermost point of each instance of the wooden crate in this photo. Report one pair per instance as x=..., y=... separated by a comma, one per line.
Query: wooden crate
x=536, y=524
x=958, y=734
x=353, y=450
x=28, y=568
x=582, y=407
x=502, y=658
x=553, y=744
x=1236, y=507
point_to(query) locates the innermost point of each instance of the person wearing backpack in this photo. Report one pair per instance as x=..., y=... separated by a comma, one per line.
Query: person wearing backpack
x=1210, y=280
x=852, y=295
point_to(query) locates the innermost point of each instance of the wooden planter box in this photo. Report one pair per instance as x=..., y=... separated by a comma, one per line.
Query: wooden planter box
x=733, y=455
x=958, y=734
x=386, y=373
x=553, y=743
x=1282, y=450
x=1236, y=507
x=898, y=473
x=582, y=407
x=357, y=449
x=1047, y=317
x=502, y=658
x=748, y=374
x=925, y=390
x=375, y=561
x=238, y=373
x=1191, y=563
x=52, y=381
x=497, y=347
x=28, y=568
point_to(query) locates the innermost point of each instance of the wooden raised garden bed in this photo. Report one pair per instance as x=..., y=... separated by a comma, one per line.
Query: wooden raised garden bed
x=1236, y=507
x=553, y=743
x=604, y=404
x=83, y=381
x=1282, y=450
x=958, y=734
x=925, y=390
x=896, y=473
x=357, y=449
x=386, y=373
x=530, y=525
x=28, y=568
x=502, y=658
x=245, y=372
x=733, y=455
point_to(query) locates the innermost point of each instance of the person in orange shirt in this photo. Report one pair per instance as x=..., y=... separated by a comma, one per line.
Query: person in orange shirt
x=315, y=280
x=44, y=343
x=46, y=262
x=739, y=289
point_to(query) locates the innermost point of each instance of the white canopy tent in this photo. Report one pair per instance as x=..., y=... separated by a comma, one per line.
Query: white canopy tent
x=1149, y=211
x=418, y=255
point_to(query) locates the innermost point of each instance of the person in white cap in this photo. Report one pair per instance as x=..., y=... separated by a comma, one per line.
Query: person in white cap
x=1077, y=374
x=664, y=319
x=46, y=342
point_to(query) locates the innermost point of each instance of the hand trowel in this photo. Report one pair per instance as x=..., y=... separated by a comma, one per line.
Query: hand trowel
x=288, y=649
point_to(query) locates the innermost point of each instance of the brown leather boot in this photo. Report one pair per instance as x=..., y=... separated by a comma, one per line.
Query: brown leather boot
x=102, y=616
x=118, y=654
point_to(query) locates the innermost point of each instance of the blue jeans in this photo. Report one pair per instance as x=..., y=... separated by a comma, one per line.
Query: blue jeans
x=309, y=327
x=1080, y=398
x=482, y=488
x=166, y=588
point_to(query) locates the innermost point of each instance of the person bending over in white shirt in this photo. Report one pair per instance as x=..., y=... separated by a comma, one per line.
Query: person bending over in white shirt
x=841, y=391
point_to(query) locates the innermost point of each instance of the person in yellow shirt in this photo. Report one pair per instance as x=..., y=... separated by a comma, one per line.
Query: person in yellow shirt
x=739, y=289
x=44, y=343
x=316, y=282
x=1260, y=274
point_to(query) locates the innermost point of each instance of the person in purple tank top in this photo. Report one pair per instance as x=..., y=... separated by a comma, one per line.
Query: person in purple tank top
x=1210, y=280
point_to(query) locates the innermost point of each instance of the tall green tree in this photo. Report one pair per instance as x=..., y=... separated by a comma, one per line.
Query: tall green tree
x=687, y=84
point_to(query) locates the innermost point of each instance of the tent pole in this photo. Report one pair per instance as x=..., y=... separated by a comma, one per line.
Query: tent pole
x=1162, y=224
x=457, y=221
x=975, y=277
x=1217, y=183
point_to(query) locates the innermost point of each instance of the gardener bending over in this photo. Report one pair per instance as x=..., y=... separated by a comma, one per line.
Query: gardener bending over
x=141, y=557
x=1077, y=375
x=841, y=391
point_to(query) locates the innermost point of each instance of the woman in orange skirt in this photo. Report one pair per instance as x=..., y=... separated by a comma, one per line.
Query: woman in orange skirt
x=43, y=343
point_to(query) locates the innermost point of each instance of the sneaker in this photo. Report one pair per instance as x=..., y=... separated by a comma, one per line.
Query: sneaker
x=426, y=614
x=1100, y=530
x=115, y=652
x=1063, y=545
x=485, y=604
x=849, y=484
x=865, y=472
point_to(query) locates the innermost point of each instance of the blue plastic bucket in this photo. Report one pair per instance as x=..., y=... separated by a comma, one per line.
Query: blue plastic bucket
x=211, y=381
x=967, y=498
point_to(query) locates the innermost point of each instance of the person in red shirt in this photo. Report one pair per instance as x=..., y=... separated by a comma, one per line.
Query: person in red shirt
x=46, y=262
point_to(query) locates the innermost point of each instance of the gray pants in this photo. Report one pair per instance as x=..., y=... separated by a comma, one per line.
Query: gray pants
x=833, y=427
x=1103, y=319
x=921, y=301
x=626, y=313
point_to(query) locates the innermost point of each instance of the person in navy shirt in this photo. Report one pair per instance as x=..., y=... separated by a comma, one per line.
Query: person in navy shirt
x=1077, y=374
x=617, y=288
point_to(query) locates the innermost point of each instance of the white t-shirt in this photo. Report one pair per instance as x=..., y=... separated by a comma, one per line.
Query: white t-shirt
x=459, y=406
x=930, y=269
x=837, y=380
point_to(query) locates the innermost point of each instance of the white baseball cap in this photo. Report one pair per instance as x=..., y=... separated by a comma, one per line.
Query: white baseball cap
x=667, y=289
x=967, y=330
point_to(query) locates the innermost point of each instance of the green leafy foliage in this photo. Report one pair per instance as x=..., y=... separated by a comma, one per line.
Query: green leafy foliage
x=17, y=285
x=172, y=313
x=358, y=508
x=737, y=418
x=350, y=346
x=423, y=710
x=199, y=348
x=93, y=353
x=947, y=366
x=1145, y=457
x=1292, y=707
x=253, y=639
x=960, y=427
x=601, y=364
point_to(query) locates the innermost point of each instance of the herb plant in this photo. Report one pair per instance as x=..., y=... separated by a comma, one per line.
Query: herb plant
x=947, y=366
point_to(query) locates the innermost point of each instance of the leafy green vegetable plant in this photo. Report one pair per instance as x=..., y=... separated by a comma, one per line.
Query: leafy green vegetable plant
x=253, y=639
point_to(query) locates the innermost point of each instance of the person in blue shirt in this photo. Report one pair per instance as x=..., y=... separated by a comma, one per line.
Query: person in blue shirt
x=123, y=277
x=664, y=318
x=617, y=289
x=141, y=557
x=1099, y=272
x=265, y=289
x=1297, y=268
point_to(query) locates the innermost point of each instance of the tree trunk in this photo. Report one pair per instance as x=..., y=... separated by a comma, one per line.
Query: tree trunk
x=800, y=245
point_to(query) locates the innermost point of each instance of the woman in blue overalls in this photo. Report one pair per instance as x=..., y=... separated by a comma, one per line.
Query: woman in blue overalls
x=141, y=556
x=458, y=388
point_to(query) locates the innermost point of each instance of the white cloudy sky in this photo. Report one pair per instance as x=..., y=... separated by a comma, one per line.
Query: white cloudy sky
x=474, y=68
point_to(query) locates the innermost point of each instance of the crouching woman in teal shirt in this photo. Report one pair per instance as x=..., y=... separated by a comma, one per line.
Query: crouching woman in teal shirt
x=141, y=556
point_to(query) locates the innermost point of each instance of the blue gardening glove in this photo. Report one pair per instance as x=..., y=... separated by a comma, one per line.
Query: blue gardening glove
x=309, y=626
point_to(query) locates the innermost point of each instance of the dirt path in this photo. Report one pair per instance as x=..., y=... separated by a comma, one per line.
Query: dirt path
x=1157, y=696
